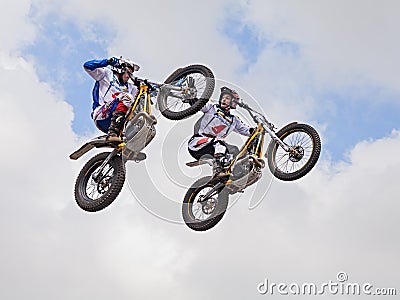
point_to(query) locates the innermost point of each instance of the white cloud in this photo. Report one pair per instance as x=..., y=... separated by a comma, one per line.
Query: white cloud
x=343, y=42
x=16, y=30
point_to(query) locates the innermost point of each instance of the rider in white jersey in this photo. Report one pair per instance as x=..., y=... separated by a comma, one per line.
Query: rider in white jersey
x=214, y=126
x=112, y=93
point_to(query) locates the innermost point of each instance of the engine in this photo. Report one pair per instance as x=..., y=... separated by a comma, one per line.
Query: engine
x=242, y=167
x=245, y=172
x=139, y=132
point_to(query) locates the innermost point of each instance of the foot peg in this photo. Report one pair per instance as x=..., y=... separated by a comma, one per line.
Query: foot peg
x=133, y=155
x=139, y=156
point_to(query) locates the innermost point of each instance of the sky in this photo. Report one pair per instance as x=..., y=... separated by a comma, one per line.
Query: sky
x=332, y=65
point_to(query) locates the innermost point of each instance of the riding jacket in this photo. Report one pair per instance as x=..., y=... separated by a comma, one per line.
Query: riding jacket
x=215, y=125
x=106, y=89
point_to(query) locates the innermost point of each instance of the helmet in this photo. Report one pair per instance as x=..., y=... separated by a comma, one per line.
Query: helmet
x=234, y=95
x=125, y=65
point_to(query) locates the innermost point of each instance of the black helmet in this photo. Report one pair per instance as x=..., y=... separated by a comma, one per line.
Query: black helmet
x=234, y=95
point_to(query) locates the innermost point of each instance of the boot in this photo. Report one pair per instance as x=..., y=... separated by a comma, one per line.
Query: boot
x=218, y=166
x=117, y=120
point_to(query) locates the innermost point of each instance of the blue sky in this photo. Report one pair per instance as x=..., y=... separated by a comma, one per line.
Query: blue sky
x=352, y=114
x=369, y=115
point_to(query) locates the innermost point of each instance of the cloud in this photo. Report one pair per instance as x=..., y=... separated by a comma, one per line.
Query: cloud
x=48, y=247
x=12, y=36
x=336, y=37
x=170, y=35
x=48, y=243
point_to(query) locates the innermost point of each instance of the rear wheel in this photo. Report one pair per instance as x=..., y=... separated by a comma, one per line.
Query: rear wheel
x=94, y=193
x=197, y=85
x=305, y=148
x=201, y=214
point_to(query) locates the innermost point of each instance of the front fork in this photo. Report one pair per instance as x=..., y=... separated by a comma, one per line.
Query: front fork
x=276, y=139
x=96, y=175
x=183, y=91
x=212, y=191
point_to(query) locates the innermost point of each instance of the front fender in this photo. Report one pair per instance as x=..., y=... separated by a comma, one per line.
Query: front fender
x=99, y=142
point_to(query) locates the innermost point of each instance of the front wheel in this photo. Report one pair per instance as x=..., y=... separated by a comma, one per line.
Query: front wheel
x=196, y=83
x=201, y=214
x=305, y=147
x=94, y=193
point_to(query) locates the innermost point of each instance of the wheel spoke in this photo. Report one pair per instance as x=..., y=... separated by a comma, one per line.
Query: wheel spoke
x=176, y=104
x=92, y=188
x=201, y=210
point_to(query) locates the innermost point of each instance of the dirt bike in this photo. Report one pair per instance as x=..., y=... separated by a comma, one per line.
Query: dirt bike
x=182, y=94
x=292, y=152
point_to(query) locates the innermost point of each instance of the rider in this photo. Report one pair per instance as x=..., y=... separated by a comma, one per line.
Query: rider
x=112, y=93
x=214, y=126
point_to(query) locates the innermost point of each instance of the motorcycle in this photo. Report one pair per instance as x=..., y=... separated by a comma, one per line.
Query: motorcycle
x=292, y=152
x=181, y=95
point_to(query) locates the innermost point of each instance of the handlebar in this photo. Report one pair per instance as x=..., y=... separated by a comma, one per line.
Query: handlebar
x=153, y=86
x=257, y=116
x=240, y=103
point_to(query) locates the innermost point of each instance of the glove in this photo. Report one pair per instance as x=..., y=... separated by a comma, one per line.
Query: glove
x=113, y=61
x=251, y=130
